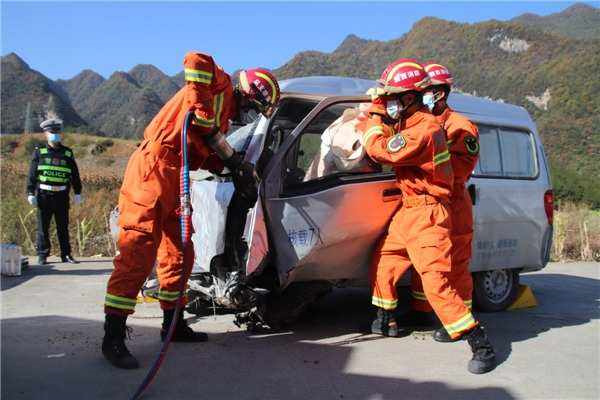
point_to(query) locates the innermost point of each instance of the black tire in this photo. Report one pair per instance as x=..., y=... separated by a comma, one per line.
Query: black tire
x=495, y=290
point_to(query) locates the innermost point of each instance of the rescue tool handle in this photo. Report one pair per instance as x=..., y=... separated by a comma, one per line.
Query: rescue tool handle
x=391, y=194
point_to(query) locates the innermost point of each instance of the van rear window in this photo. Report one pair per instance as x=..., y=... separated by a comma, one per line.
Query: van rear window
x=506, y=153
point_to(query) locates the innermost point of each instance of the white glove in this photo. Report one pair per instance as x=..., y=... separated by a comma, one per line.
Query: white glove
x=32, y=200
x=78, y=199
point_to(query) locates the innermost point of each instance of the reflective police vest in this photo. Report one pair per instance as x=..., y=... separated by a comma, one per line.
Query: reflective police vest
x=54, y=167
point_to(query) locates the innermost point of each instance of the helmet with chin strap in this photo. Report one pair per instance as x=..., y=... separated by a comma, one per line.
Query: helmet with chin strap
x=261, y=89
x=404, y=75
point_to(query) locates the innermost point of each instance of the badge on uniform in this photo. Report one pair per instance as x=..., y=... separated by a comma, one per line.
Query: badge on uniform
x=472, y=144
x=396, y=143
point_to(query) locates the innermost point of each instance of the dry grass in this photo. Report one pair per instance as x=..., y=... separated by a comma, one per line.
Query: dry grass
x=101, y=182
x=576, y=233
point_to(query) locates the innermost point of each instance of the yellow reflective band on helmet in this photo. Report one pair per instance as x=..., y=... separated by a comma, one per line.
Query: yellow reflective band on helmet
x=397, y=67
x=442, y=157
x=271, y=83
x=43, y=151
x=43, y=178
x=244, y=82
x=418, y=295
x=375, y=130
x=218, y=107
x=165, y=295
x=53, y=168
x=119, y=302
x=428, y=67
x=383, y=303
x=464, y=323
x=196, y=75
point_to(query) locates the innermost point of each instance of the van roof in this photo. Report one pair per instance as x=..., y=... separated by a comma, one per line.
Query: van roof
x=476, y=108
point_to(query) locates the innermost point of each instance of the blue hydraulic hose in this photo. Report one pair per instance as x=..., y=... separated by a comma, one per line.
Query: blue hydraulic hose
x=185, y=220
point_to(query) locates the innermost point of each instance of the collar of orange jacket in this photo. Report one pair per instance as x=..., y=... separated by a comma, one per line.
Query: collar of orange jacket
x=414, y=119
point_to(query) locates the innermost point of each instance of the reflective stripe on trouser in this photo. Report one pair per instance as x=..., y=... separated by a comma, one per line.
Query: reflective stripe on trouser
x=461, y=238
x=419, y=236
x=149, y=230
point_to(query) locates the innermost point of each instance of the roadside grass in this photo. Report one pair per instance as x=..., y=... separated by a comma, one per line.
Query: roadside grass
x=102, y=162
x=101, y=174
x=576, y=233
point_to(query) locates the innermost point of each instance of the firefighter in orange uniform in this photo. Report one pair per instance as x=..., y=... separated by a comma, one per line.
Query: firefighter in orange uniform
x=463, y=142
x=149, y=196
x=419, y=233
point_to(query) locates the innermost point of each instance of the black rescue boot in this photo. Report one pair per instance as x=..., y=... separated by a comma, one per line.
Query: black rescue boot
x=183, y=333
x=113, y=345
x=385, y=323
x=484, y=358
x=440, y=335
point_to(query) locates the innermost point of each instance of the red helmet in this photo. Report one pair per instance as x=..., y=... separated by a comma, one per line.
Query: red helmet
x=261, y=88
x=439, y=75
x=403, y=75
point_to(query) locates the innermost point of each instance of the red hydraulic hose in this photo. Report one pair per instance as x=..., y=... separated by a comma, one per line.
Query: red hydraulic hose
x=186, y=223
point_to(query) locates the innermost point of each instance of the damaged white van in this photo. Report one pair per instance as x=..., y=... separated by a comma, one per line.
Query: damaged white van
x=321, y=209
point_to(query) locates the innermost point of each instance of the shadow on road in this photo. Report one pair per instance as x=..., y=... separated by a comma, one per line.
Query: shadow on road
x=564, y=300
x=51, y=269
x=58, y=357
x=287, y=365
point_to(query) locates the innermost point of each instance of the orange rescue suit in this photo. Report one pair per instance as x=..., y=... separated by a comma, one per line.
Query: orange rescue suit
x=463, y=142
x=149, y=196
x=419, y=233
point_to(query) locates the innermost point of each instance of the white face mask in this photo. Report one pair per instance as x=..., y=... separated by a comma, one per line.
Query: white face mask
x=429, y=100
x=394, y=108
x=53, y=137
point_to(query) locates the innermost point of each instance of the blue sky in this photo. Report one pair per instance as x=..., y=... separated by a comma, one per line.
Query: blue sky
x=60, y=39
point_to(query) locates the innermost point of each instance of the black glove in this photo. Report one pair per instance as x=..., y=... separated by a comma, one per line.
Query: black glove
x=244, y=177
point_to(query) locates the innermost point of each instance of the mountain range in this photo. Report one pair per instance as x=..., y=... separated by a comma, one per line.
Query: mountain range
x=548, y=64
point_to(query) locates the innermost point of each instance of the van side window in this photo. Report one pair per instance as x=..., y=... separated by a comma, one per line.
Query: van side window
x=330, y=145
x=505, y=153
x=489, y=163
x=518, y=157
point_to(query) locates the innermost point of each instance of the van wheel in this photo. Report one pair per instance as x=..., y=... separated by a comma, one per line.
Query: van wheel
x=495, y=290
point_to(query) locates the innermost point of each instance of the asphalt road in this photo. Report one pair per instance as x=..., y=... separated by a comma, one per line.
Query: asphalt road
x=52, y=329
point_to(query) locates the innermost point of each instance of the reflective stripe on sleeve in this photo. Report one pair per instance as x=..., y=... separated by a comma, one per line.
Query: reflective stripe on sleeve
x=374, y=130
x=43, y=151
x=207, y=123
x=418, y=295
x=442, y=157
x=196, y=75
x=119, y=302
x=383, y=303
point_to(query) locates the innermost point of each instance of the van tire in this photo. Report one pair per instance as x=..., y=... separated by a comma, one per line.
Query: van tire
x=495, y=290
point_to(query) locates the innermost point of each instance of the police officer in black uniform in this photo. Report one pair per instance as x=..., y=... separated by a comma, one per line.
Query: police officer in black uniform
x=52, y=173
